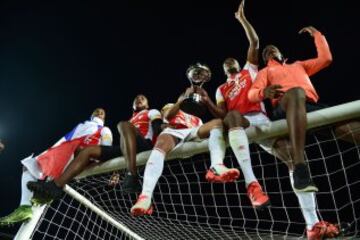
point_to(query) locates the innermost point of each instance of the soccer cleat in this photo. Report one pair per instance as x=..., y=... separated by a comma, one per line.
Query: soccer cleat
x=302, y=179
x=222, y=174
x=21, y=214
x=323, y=230
x=131, y=184
x=256, y=195
x=38, y=200
x=142, y=206
x=46, y=190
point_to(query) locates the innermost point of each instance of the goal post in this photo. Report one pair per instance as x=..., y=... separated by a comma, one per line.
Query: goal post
x=316, y=119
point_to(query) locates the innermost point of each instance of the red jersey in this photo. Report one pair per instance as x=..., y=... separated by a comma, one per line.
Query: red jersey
x=183, y=120
x=142, y=121
x=235, y=91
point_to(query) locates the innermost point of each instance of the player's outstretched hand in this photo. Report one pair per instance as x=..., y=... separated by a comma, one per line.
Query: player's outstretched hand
x=310, y=29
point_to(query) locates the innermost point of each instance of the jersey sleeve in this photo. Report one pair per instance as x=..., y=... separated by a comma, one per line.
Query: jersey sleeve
x=219, y=97
x=253, y=70
x=106, y=137
x=154, y=114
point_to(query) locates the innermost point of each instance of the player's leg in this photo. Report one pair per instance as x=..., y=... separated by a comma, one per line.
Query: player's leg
x=217, y=147
x=293, y=103
x=307, y=200
x=128, y=133
x=153, y=170
x=236, y=123
x=53, y=189
x=131, y=142
x=24, y=211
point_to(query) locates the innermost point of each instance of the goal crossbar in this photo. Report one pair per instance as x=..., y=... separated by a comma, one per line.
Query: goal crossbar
x=315, y=119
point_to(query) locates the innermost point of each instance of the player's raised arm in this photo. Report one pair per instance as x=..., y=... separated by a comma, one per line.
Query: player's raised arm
x=253, y=51
x=174, y=109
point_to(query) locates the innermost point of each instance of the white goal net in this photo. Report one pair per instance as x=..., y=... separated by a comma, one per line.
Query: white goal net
x=188, y=207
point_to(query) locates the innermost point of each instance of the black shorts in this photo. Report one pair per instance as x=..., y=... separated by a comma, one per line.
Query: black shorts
x=279, y=113
x=110, y=152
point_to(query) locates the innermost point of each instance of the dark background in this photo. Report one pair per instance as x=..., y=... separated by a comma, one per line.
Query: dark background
x=59, y=61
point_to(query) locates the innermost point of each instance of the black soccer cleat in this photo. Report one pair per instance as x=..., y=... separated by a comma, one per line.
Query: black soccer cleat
x=302, y=179
x=46, y=189
x=131, y=184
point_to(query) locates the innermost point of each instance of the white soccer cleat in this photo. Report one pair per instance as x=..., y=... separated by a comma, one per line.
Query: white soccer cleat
x=142, y=206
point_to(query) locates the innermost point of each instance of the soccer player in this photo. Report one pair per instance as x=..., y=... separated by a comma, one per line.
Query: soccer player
x=183, y=127
x=52, y=162
x=238, y=112
x=137, y=135
x=291, y=91
x=292, y=95
x=139, y=132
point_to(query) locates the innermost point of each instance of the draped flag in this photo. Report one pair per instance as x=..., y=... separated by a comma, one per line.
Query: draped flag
x=52, y=162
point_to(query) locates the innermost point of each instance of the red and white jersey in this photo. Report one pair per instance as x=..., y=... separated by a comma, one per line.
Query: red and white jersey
x=142, y=121
x=235, y=91
x=183, y=120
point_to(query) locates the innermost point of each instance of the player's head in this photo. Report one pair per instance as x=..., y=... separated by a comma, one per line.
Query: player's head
x=99, y=112
x=272, y=52
x=140, y=103
x=231, y=66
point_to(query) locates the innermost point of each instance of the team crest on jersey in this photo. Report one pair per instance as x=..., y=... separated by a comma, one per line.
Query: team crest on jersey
x=238, y=84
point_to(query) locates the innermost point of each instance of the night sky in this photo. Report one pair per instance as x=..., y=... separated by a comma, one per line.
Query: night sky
x=59, y=61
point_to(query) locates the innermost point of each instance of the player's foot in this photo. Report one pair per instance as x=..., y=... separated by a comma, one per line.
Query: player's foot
x=142, y=206
x=302, y=179
x=21, y=214
x=220, y=173
x=258, y=198
x=131, y=184
x=323, y=230
x=38, y=199
x=46, y=189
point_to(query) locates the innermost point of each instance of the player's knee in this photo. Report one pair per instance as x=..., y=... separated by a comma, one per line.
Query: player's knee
x=122, y=125
x=216, y=123
x=93, y=151
x=235, y=119
x=164, y=143
x=296, y=94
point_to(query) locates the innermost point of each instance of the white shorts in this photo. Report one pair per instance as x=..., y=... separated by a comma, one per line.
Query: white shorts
x=185, y=135
x=260, y=120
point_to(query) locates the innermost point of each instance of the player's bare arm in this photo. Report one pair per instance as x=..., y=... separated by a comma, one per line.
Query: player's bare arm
x=218, y=111
x=253, y=51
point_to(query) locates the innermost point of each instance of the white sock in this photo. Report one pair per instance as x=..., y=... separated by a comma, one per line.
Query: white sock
x=307, y=204
x=240, y=145
x=153, y=171
x=217, y=146
x=26, y=194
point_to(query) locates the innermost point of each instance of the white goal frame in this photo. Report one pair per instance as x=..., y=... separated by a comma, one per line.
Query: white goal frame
x=318, y=118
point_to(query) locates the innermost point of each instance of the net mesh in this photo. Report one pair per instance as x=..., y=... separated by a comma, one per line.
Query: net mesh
x=188, y=207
